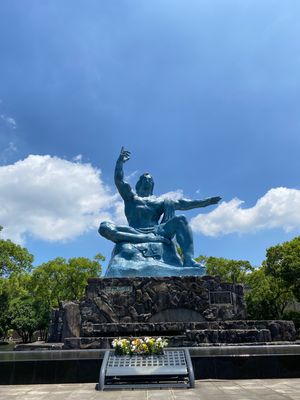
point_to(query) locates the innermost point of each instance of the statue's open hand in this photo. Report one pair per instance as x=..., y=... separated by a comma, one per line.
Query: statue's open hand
x=215, y=200
x=124, y=155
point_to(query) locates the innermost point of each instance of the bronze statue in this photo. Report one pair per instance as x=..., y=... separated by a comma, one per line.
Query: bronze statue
x=144, y=212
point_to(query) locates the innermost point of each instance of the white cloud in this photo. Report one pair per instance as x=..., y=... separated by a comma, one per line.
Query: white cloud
x=129, y=178
x=174, y=195
x=278, y=208
x=118, y=214
x=77, y=158
x=51, y=199
x=55, y=199
x=6, y=153
x=11, y=122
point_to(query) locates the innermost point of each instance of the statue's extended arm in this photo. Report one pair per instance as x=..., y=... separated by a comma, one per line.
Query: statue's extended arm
x=184, y=204
x=123, y=187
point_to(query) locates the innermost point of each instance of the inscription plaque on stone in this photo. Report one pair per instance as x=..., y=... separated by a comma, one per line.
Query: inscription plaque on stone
x=220, y=297
x=117, y=289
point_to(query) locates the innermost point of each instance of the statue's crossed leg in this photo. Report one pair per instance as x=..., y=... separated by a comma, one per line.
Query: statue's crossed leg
x=176, y=227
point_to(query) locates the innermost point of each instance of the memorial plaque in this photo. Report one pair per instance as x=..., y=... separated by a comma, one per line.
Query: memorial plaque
x=117, y=289
x=221, y=297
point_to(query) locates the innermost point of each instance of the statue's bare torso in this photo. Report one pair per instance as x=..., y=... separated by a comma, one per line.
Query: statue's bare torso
x=143, y=212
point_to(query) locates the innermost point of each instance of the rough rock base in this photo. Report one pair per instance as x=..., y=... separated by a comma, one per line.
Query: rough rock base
x=190, y=311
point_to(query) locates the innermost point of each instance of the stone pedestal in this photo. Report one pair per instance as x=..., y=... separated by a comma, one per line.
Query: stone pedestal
x=189, y=310
x=168, y=299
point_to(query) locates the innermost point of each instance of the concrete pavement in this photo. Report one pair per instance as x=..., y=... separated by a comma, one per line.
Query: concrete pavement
x=255, y=389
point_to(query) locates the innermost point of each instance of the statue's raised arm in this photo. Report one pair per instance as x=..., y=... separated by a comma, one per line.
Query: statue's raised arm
x=185, y=204
x=123, y=187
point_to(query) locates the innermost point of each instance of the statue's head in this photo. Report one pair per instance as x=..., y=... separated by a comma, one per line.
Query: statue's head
x=145, y=185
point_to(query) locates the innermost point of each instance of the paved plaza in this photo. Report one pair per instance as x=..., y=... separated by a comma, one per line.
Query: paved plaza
x=265, y=389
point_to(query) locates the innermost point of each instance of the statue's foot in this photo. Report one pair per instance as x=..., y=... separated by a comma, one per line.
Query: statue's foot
x=192, y=264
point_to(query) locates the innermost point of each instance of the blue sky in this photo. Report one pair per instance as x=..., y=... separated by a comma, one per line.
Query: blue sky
x=206, y=96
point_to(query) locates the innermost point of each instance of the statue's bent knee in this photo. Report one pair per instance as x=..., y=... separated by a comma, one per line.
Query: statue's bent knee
x=106, y=228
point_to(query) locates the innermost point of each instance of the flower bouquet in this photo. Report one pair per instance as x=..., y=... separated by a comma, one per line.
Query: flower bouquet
x=139, y=346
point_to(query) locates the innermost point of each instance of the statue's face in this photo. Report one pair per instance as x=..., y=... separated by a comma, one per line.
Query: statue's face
x=144, y=186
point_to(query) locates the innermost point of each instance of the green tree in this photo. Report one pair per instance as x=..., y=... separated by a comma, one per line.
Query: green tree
x=14, y=258
x=283, y=263
x=43, y=311
x=28, y=315
x=232, y=271
x=4, y=315
x=17, y=284
x=15, y=264
x=266, y=298
x=59, y=279
x=12, y=289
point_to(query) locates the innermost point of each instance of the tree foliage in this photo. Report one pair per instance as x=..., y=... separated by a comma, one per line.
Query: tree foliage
x=283, y=263
x=14, y=258
x=266, y=298
x=27, y=294
x=232, y=271
x=62, y=279
x=28, y=315
x=4, y=315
